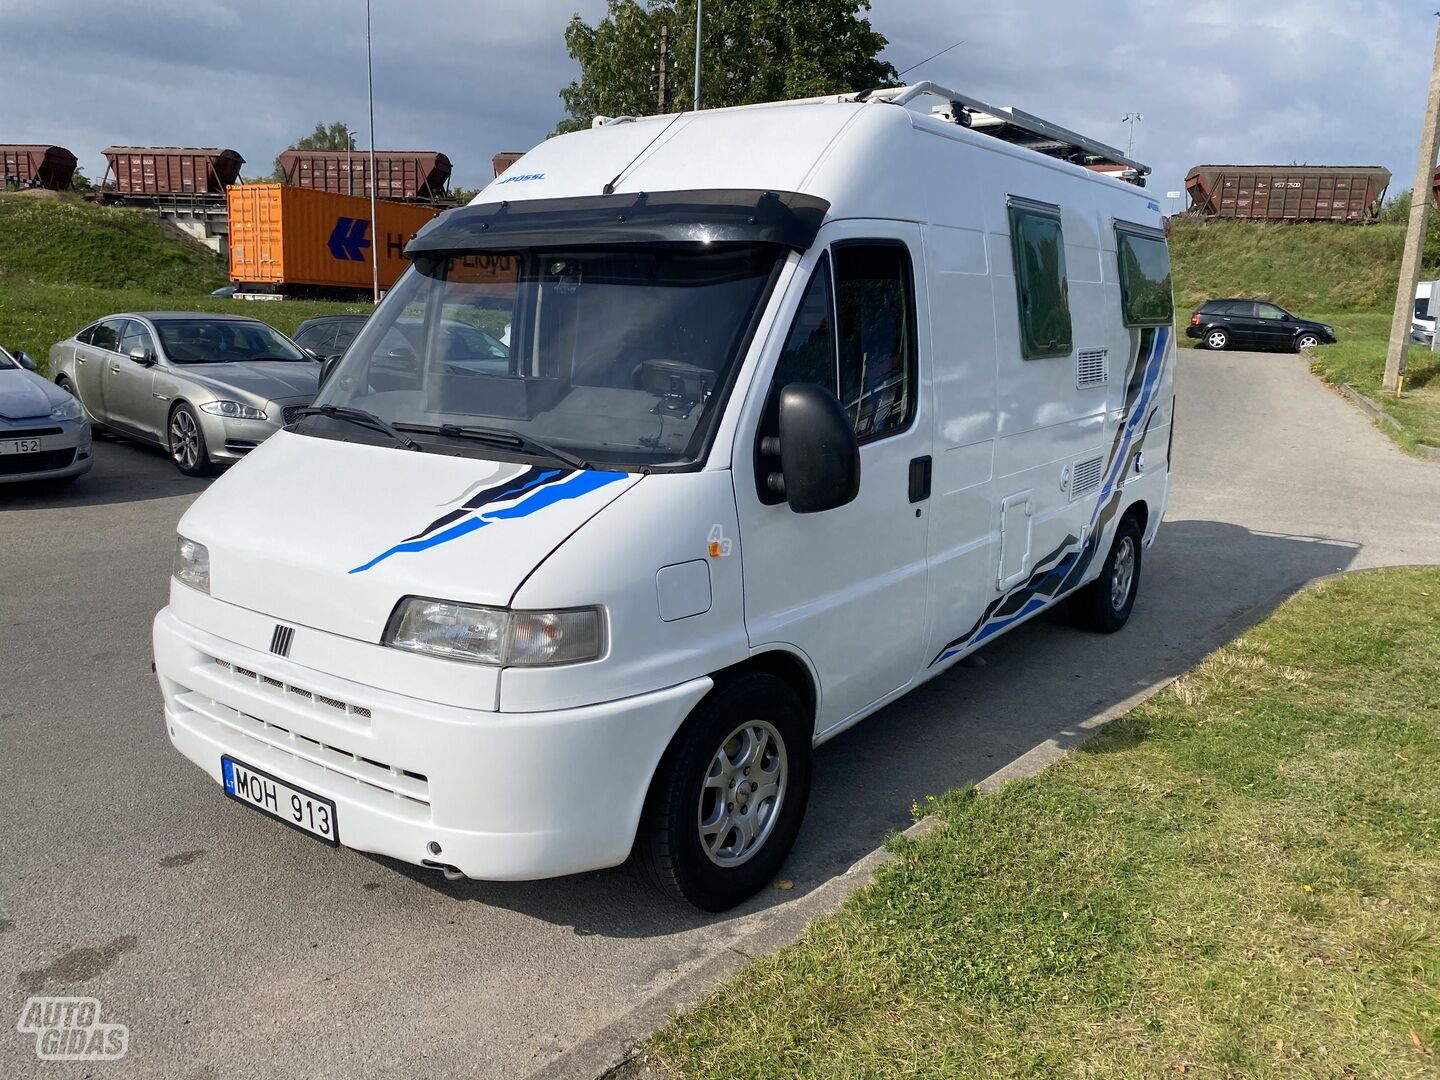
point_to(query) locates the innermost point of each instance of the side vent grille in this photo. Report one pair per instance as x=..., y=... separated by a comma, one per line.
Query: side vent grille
x=1092, y=367
x=1085, y=477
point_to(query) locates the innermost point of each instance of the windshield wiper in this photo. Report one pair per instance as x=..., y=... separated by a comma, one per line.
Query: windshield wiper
x=364, y=419
x=506, y=436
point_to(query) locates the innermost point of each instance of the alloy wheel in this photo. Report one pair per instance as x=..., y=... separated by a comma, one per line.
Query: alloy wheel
x=742, y=794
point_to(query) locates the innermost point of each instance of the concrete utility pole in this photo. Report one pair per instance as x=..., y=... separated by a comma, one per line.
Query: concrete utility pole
x=662, y=86
x=699, y=17
x=1415, y=234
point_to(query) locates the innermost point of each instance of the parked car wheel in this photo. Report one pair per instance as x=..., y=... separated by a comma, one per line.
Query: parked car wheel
x=1306, y=341
x=187, y=443
x=729, y=795
x=1105, y=604
x=1217, y=339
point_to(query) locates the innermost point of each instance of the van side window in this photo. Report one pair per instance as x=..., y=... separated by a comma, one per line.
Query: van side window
x=1038, y=245
x=1145, y=296
x=874, y=292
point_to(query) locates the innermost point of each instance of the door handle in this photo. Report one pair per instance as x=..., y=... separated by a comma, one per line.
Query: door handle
x=919, y=478
x=80, y=359
x=115, y=368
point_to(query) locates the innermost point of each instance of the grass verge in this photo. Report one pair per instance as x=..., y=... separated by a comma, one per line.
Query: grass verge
x=1358, y=360
x=1241, y=877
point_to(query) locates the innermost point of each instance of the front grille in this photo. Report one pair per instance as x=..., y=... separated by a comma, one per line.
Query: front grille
x=405, y=785
x=1092, y=367
x=361, y=712
x=44, y=461
x=291, y=413
x=1085, y=477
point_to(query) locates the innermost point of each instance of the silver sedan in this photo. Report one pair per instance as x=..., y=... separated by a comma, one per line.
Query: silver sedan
x=43, y=431
x=207, y=388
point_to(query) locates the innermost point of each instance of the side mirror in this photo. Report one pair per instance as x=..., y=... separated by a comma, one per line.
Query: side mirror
x=819, y=455
x=141, y=357
x=26, y=361
x=327, y=368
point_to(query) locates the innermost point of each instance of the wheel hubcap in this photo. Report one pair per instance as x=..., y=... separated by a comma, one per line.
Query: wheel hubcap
x=743, y=790
x=1123, y=574
x=185, y=440
x=1217, y=340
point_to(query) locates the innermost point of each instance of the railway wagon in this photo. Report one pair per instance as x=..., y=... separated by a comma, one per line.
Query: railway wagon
x=292, y=241
x=35, y=165
x=172, y=170
x=1287, y=192
x=399, y=174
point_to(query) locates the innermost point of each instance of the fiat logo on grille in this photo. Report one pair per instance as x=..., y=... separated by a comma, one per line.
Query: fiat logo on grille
x=280, y=640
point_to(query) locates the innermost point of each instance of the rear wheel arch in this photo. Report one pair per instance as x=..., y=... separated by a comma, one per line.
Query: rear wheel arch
x=1140, y=511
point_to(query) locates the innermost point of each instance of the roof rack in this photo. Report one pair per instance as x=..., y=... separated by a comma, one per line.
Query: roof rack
x=1017, y=127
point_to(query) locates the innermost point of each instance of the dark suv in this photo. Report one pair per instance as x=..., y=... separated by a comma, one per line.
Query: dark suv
x=1255, y=324
x=328, y=336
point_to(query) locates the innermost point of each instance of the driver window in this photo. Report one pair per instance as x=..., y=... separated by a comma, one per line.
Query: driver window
x=137, y=337
x=1270, y=311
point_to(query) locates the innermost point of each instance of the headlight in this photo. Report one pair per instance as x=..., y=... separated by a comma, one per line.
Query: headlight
x=234, y=410
x=486, y=635
x=1329, y=330
x=192, y=564
x=69, y=409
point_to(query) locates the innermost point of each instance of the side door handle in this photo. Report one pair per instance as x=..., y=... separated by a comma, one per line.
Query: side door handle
x=920, y=478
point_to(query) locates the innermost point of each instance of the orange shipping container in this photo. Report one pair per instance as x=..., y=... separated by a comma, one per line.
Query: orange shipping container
x=282, y=237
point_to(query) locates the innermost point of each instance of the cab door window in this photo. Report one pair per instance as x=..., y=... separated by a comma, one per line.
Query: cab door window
x=137, y=337
x=854, y=334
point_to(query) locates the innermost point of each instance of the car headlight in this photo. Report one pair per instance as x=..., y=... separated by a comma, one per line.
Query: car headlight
x=1328, y=329
x=69, y=409
x=487, y=635
x=234, y=410
x=192, y=564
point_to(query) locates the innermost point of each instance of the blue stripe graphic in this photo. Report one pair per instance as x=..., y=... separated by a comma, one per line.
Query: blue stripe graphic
x=536, y=498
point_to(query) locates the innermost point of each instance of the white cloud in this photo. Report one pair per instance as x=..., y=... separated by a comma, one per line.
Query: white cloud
x=1325, y=81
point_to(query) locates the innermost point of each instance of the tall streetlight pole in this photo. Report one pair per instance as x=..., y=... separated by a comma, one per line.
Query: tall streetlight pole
x=374, y=222
x=699, y=18
x=1415, y=234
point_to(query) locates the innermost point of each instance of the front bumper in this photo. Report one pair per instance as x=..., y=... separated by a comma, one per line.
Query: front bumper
x=63, y=453
x=505, y=796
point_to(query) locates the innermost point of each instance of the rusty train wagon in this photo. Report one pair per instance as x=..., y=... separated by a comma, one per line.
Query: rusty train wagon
x=33, y=165
x=1287, y=192
x=399, y=174
x=172, y=170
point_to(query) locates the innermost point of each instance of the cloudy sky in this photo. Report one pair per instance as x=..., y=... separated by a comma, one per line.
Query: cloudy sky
x=1319, y=81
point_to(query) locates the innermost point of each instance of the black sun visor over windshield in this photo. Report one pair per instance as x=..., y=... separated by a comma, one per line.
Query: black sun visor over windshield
x=766, y=217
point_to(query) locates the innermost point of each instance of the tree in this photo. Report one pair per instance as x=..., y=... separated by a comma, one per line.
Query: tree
x=752, y=50
x=334, y=136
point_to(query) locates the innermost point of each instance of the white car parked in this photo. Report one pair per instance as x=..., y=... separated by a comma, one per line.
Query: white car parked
x=44, y=435
x=798, y=404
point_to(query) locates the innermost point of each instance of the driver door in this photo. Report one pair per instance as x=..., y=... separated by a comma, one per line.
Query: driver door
x=129, y=385
x=848, y=587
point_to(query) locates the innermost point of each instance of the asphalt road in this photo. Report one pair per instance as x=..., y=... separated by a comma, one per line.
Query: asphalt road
x=232, y=946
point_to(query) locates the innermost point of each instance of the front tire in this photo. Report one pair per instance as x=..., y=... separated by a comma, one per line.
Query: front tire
x=1105, y=604
x=728, y=798
x=1216, y=339
x=187, y=443
x=1306, y=341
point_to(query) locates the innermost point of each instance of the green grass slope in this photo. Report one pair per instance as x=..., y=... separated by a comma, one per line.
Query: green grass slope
x=64, y=262
x=71, y=242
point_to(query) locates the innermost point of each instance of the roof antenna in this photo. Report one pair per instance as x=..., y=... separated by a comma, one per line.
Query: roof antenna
x=927, y=59
x=609, y=189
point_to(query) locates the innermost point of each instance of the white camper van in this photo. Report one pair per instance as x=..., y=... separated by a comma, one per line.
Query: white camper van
x=691, y=442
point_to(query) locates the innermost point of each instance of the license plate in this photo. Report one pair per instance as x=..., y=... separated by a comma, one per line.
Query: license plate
x=20, y=446
x=296, y=807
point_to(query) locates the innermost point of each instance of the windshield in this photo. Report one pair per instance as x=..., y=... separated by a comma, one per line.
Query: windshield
x=617, y=356
x=223, y=341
